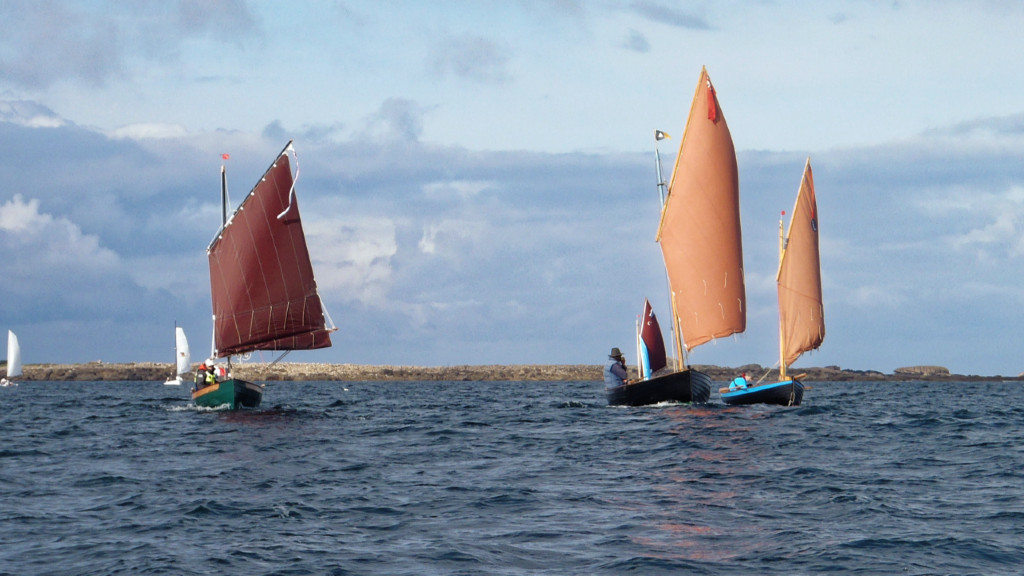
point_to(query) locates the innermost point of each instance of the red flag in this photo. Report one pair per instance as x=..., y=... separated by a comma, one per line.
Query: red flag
x=712, y=108
x=225, y=156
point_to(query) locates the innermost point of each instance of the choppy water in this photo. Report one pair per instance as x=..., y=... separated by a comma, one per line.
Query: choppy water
x=510, y=478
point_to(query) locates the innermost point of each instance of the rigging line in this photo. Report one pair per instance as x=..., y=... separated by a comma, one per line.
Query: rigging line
x=291, y=191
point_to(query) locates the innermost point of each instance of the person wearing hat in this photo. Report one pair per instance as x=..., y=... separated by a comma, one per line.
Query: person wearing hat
x=201, y=376
x=615, y=369
x=211, y=375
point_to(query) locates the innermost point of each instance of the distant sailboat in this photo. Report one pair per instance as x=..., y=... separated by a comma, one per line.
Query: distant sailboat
x=262, y=286
x=183, y=359
x=13, y=360
x=701, y=243
x=801, y=311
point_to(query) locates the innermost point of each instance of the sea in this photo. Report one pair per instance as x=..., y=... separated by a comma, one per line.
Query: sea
x=510, y=478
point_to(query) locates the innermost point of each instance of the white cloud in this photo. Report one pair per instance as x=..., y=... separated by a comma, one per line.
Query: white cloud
x=452, y=237
x=352, y=260
x=150, y=131
x=458, y=189
x=38, y=241
x=30, y=114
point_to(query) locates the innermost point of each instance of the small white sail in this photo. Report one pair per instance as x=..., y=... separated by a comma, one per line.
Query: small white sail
x=13, y=355
x=181, y=349
x=182, y=358
x=13, y=360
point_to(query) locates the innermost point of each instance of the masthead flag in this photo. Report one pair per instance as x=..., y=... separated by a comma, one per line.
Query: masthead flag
x=659, y=135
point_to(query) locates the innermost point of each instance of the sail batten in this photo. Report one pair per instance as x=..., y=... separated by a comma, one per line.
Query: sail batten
x=801, y=309
x=699, y=231
x=262, y=283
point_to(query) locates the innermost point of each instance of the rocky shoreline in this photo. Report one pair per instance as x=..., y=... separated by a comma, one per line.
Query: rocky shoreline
x=287, y=371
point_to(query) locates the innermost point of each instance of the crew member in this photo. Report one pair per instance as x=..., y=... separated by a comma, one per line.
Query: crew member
x=615, y=369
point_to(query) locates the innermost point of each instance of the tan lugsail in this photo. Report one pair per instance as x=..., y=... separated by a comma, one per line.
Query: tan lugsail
x=801, y=313
x=699, y=232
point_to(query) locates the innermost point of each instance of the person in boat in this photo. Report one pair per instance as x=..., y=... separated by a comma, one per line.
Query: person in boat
x=740, y=383
x=211, y=374
x=615, y=369
x=201, y=376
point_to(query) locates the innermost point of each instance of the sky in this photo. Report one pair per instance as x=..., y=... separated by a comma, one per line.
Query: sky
x=477, y=177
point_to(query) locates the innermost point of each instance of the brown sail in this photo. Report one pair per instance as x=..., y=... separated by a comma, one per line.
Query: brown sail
x=261, y=278
x=801, y=313
x=699, y=233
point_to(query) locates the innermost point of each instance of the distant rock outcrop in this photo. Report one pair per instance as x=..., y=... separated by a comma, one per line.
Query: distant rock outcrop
x=155, y=371
x=921, y=371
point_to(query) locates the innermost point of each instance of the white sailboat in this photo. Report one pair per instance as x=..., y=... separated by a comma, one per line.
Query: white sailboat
x=183, y=359
x=13, y=360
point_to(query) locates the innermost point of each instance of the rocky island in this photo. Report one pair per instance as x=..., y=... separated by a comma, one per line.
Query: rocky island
x=157, y=371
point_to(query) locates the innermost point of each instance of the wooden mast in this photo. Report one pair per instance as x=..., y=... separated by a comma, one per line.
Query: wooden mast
x=782, y=336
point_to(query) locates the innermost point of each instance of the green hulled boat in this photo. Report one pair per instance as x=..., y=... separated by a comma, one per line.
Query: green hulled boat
x=261, y=283
x=230, y=394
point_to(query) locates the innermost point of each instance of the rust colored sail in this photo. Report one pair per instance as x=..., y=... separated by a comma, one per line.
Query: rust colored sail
x=801, y=313
x=264, y=292
x=699, y=232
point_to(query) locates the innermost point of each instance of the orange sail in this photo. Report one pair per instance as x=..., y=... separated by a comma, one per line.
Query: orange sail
x=801, y=313
x=699, y=232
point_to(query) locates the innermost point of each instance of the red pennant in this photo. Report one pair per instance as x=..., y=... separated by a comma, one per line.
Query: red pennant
x=712, y=107
x=225, y=156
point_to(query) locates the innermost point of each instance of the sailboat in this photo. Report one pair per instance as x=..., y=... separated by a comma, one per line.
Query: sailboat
x=182, y=358
x=801, y=312
x=262, y=285
x=13, y=360
x=701, y=242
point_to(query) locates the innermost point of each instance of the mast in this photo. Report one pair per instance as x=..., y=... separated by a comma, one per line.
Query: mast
x=662, y=184
x=677, y=341
x=639, y=353
x=782, y=335
x=223, y=196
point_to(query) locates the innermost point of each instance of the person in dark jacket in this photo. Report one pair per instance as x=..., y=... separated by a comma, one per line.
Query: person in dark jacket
x=615, y=369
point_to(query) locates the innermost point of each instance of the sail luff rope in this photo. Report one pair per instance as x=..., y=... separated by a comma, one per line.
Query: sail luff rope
x=295, y=178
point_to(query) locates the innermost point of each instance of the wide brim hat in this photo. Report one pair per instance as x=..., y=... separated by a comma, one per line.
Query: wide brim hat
x=616, y=353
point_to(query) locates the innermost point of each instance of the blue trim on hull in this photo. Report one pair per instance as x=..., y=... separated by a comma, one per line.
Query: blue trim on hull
x=785, y=393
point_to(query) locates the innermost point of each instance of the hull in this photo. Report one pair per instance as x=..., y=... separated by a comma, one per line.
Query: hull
x=233, y=394
x=173, y=381
x=786, y=393
x=683, y=386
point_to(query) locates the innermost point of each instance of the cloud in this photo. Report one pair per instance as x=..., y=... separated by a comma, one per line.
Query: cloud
x=149, y=131
x=636, y=42
x=662, y=14
x=474, y=58
x=49, y=42
x=51, y=268
x=398, y=119
x=352, y=258
x=436, y=254
x=29, y=114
